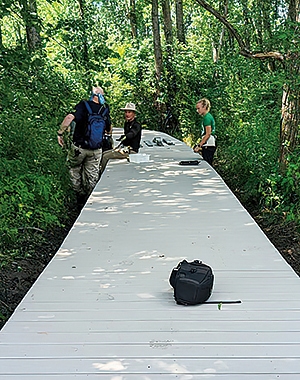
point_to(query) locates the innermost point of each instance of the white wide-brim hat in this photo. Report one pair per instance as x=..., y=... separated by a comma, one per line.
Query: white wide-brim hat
x=129, y=107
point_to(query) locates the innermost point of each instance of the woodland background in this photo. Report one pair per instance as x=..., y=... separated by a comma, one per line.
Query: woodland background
x=163, y=55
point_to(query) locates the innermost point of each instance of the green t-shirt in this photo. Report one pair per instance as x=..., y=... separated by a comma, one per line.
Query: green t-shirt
x=208, y=120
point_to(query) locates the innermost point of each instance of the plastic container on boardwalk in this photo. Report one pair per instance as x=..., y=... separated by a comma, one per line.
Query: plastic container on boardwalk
x=139, y=157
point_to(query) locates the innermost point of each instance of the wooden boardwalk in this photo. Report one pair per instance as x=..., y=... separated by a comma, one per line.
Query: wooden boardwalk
x=103, y=308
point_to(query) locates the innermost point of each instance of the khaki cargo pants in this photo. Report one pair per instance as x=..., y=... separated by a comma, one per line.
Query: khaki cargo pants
x=118, y=154
x=84, y=168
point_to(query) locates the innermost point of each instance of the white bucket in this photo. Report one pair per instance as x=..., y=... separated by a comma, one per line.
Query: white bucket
x=139, y=157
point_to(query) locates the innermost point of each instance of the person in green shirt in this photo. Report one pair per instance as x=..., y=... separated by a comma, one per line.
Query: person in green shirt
x=207, y=145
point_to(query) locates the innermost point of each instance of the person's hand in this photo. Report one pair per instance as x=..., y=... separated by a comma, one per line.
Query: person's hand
x=60, y=140
x=197, y=148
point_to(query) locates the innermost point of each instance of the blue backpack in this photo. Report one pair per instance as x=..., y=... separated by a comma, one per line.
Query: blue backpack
x=95, y=127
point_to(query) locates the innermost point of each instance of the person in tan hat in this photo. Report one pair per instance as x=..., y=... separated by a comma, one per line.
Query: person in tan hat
x=129, y=107
x=129, y=142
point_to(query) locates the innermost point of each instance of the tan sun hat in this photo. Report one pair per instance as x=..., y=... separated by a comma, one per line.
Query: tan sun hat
x=129, y=107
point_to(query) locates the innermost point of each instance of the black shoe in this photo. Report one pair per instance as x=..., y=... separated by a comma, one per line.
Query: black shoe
x=81, y=200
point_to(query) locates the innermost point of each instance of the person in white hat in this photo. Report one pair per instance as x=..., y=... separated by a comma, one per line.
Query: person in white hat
x=130, y=141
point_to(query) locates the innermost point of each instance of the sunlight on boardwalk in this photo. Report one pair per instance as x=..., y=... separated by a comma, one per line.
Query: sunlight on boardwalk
x=103, y=307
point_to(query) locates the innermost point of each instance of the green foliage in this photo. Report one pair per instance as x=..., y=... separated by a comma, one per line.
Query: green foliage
x=94, y=46
x=34, y=185
x=281, y=193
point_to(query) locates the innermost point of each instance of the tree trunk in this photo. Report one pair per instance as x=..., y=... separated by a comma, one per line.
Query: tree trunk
x=132, y=19
x=290, y=122
x=1, y=41
x=217, y=47
x=85, y=55
x=156, y=42
x=294, y=10
x=290, y=119
x=32, y=24
x=179, y=21
x=170, y=75
x=167, y=22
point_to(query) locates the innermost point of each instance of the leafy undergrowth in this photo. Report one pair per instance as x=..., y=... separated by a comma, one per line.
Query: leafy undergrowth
x=17, y=278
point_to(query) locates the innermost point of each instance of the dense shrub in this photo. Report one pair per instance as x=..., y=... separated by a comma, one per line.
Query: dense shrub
x=34, y=185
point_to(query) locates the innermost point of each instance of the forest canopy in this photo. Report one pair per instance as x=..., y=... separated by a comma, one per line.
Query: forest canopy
x=164, y=56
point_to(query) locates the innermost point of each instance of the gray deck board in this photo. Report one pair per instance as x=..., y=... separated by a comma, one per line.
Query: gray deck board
x=159, y=365
x=152, y=350
x=103, y=307
x=155, y=376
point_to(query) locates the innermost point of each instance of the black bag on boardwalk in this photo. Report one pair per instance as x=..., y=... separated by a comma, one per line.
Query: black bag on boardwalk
x=192, y=282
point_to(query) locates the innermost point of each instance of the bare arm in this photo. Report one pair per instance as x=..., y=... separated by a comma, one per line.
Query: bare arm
x=204, y=139
x=64, y=125
x=206, y=136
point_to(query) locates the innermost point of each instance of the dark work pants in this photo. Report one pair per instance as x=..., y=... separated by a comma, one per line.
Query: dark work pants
x=208, y=153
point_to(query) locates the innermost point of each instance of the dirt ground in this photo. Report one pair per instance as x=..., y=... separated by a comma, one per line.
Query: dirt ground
x=16, y=280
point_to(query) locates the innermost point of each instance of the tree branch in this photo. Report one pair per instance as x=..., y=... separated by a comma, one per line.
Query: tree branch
x=31, y=228
x=4, y=304
x=244, y=51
